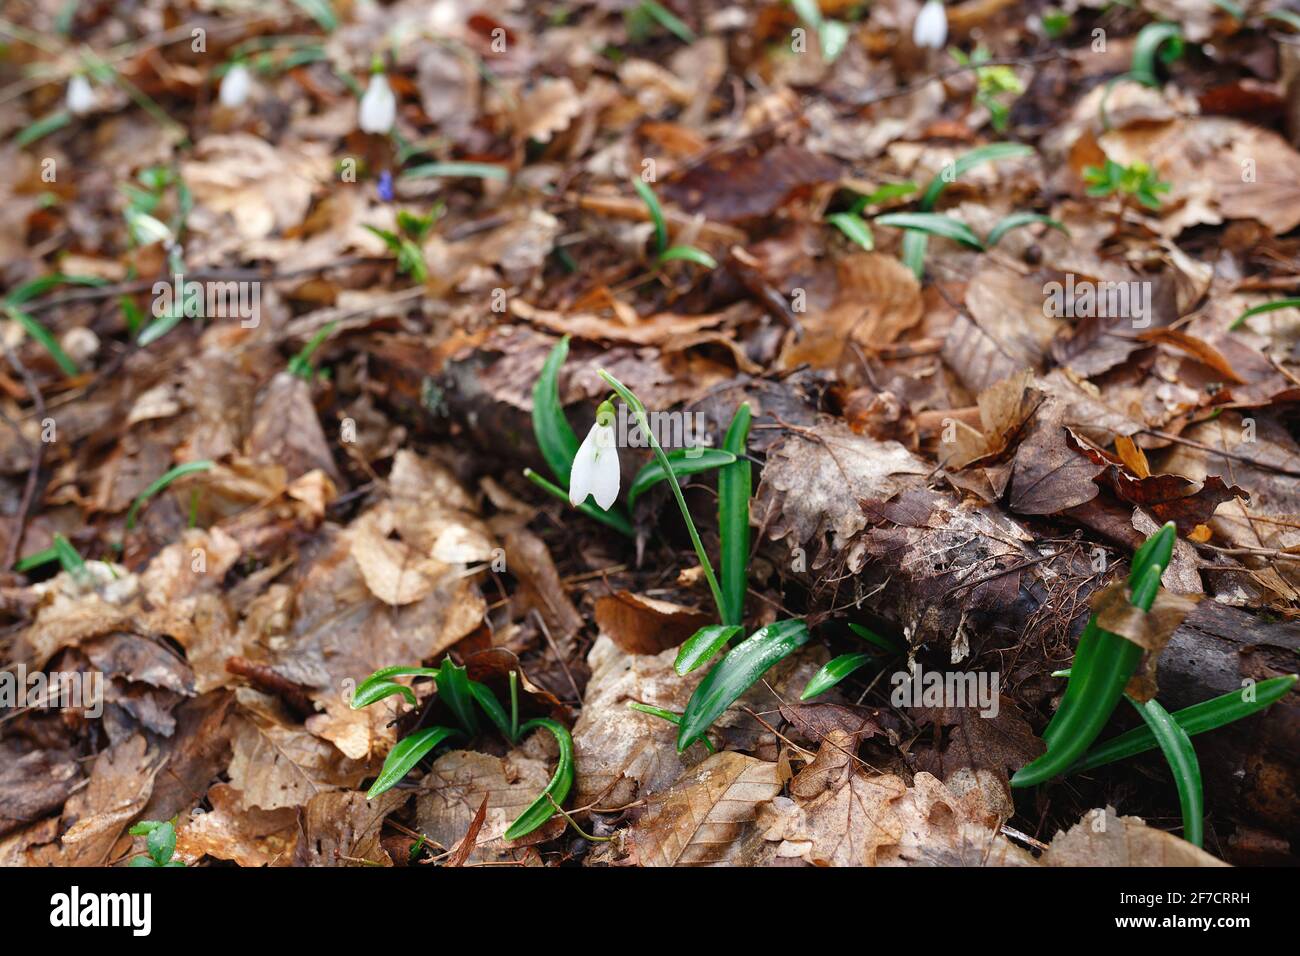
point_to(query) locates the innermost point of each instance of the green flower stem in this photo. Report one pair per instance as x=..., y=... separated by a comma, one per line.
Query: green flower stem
x=638, y=410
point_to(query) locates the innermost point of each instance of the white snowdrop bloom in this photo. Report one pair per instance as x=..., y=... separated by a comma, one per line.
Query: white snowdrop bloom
x=595, y=468
x=81, y=97
x=235, y=86
x=931, y=27
x=378, y=106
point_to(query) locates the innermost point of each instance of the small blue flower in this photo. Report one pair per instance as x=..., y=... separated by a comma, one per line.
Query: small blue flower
x=386, y=186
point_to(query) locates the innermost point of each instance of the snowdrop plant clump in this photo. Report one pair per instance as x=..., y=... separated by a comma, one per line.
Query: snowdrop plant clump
x=378, y=109
x=931, y=27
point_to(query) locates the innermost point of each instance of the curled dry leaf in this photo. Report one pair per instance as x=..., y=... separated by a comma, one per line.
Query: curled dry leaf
x=1151, y=630
x=642, y=625
x=1103, y=838
x=1004, y=409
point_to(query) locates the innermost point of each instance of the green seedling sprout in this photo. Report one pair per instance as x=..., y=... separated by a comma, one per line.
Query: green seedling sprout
x=464, y=698
x=160, y=483
x=160, y=843
x=664, y=252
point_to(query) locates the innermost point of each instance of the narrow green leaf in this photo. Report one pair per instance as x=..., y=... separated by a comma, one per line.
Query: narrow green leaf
x=913, y=253
x=454, y=691
x=492, y=707
x=1181, y=757
x=1018, y=219
x=1261, y=309
x=69, y=559
x=36, y=559
x=1149, y=40
x=734, y=674
x=989, y=153
x=659, y=712
x=885, y=193
x=554, y=434
x=855, y=227
x=30, y=290
x=656, y=214
x=180, y=471
x=43, y=335
x=688, y=254
x=321, y=12
x=666, y=19
x=1196, y=719
x=42, y=127
x=735, y=487
x=1289, y=17
x=1156, y=551
x=884, y=643
x=380, y=684
x=934, y=224
x=542, y=809
x=611, y=518
x=457, y=169
x=704, y=459
x=409, y=751
x=699, y=648
x=833, y=672
x=161, y=326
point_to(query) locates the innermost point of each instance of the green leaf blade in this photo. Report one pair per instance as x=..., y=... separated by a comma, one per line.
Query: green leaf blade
x=699, y=648
x=833, y=672
x=1181, y=757
x=409, y=751
x=734, y=674
x=542, y=809
x=555, y=436
x=735, y=488
x=684, y=461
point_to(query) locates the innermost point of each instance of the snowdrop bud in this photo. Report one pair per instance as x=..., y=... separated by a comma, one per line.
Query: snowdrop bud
x=378, y=106
x=931, y=27
x=595, y=467
x=235, y=86
x=81, y=98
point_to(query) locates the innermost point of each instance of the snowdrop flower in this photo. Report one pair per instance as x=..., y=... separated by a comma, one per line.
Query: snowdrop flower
x=81, y=97
x=235, y=86
x=931, y=27
x=595, y=468
x=378, y=106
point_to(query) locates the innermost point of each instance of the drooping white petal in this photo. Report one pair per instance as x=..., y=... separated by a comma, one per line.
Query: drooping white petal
x=378, y=109
x=583, y=471
x=81, y=97
x=931, y=27
x=235, y=86
x=604, y=483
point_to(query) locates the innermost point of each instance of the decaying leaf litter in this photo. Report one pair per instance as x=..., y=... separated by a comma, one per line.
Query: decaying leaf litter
x=899, y=256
